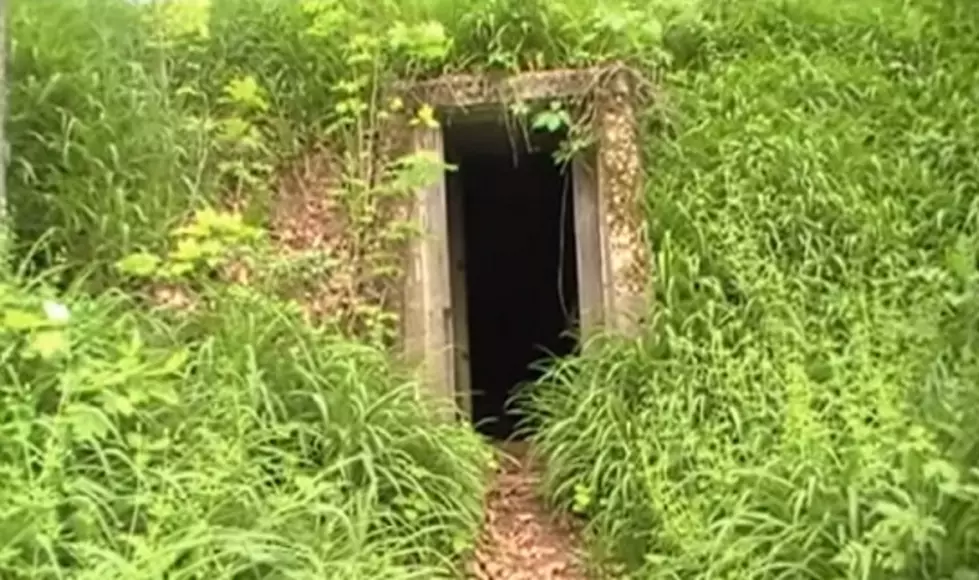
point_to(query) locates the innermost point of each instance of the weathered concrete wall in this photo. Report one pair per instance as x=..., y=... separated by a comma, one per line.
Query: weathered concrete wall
x=620, y=184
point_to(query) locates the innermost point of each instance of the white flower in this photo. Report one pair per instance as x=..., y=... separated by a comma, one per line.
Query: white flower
x=56, y=312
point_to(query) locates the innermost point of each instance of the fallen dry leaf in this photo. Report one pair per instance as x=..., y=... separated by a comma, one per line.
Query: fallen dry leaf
x=521, y=539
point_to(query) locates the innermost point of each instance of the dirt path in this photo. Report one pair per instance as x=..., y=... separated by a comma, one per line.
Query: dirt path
x=521, y=539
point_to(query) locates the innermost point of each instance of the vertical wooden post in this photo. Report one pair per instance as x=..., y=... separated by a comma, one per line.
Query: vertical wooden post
x=460, y=312
x=428, y=312
x=592, y=281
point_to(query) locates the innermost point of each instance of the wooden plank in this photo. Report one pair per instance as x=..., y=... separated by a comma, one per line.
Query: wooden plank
x=588, y=242
x=413, y=334
x=609, y=298
x=460, y=312
x=433, y=291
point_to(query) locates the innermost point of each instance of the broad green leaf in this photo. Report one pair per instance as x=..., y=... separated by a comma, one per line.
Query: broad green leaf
x=17, y=319
x=165, y=394
x=116, y=403
x=138, y=264
x=187, y=250
x=87, y=423
x=175, y=362
x=48, y=343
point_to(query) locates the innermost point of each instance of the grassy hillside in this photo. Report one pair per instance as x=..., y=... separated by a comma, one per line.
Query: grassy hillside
x=192, y=427
x=235, y=443
x=804, y=405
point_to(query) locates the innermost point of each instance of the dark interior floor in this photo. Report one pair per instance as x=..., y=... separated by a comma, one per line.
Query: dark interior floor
x=521, y=278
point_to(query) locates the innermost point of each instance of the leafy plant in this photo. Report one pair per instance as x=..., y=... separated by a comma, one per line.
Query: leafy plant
x=803, y=405
x=795, y=410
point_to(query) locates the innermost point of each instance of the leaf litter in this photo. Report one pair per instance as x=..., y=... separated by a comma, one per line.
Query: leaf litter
x=522, y=539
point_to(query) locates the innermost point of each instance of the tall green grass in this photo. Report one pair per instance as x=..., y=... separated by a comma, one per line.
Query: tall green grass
x=805, y=404
x=103, y=161
x=111, y=100
x=236, y=443
x=228, y=441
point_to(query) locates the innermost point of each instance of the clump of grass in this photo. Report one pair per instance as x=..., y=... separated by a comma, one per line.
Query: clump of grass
x=804, y=404
x=103, y=160
x=232, y=440
x=115, y=121
x=233, y=443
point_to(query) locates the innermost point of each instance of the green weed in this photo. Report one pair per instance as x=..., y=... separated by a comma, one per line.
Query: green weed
x=801, y=407
x=236, y=442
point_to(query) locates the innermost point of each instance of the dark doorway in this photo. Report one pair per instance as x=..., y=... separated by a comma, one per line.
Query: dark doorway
x=518, y=263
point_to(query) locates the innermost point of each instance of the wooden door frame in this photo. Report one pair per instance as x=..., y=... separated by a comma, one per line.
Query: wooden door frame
x=434, y=325
x=426, y=319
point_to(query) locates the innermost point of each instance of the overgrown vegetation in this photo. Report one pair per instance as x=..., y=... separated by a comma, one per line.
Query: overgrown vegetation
x=804, y=405
x=236, y=443
x=167, y=410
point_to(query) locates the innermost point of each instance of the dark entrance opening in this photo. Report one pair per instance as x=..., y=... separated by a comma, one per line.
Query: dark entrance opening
x=518, y=261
